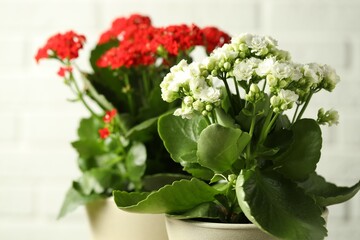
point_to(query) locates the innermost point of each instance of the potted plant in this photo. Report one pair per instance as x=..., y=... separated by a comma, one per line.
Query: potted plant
x=241, y=134
x=118, y=145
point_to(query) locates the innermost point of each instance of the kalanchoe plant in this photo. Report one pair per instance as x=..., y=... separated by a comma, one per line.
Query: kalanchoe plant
x=118, y=145
x=250, y=162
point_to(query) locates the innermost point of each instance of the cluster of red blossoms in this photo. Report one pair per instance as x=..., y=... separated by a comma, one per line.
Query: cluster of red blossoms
x=108, y=118
x=140, y=42
x=63, y=46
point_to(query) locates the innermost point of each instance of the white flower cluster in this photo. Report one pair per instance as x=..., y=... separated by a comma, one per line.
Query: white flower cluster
x=199, y=93
x=251, y=59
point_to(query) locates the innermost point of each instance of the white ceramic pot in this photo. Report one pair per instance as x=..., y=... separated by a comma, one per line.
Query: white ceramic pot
x=110, y=223
x=195, y=230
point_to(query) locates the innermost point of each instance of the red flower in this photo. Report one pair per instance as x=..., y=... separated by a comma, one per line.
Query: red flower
x=124, y=28
x=177, y=38
x=109, y=115
x=63, y=70
x=104, y=133
x=63, y=46
x=139, y=42
x=213, y=38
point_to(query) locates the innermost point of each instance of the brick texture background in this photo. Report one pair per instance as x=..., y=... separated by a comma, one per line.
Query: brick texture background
x=37, y=124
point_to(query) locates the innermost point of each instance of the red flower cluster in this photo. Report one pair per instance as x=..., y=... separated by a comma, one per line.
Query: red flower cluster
x=214, y=38
x=179, y=38
x=63, y=46
x=108, y=117
x=139, y=41
x=122, y=28
x=136, y=49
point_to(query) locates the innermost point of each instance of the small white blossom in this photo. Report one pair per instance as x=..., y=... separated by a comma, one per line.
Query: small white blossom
x=296, y=73
x=271, y=41
x=184, y=112
x=281, y=70
x=313, y=72
x=226, y=52
x=243, y=70
x=265, y=66
x=288, y=96
x=257, y=44
x=283, y=101
x=331, y=79
x=329, y=117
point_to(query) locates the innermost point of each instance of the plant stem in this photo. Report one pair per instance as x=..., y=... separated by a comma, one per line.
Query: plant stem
x=264, y=85
x=213, y=116
x=305, y=106
x=296, y=111
x=80, y=94
x=237, y=89
x=266, y=123
x=129, y=94
x=271, y=124
x=146, y=85
x=251, y=132
x=207, y=120
x=229, y=93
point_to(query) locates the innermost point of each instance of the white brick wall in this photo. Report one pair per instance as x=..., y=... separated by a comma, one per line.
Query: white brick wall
x=37, y=162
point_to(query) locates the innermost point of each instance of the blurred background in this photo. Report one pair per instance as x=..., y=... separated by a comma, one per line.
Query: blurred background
x=37, y=124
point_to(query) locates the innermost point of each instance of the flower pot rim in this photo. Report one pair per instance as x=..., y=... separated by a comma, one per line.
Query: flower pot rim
x=225, y=225
x=214, y=225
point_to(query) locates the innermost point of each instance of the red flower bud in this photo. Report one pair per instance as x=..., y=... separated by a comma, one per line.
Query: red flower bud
x=109, y=115
x=104, y=132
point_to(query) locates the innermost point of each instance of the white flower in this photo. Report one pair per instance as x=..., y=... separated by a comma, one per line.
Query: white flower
x=296, y=74
x=313, y=72
x=288, y=95
x=184, y=112
x=265, y=66
x=243, y=70
x=198, y=106
x=329, y=117
x=271, y=41
x=330, y=78
x=257, y=44
x=283, y=101
x=215, y=81
x=225, y=53
x=281, y=70
x=240, y=39
x=254, y=62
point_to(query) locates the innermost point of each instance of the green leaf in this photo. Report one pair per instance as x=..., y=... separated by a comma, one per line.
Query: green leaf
x=219, y=147
x=136, y=163
x=326, y=193
x=180, y=136
x=107, y=160
x=179, y=197
x=277, y=206
x=224, y=119
x=143, y=131
x=154, y=182
x=100, y=181
x=198, y=171
x=301, y=157
x=89, y=127
x=208, y=210
x=89, y=148
x=74, y=199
